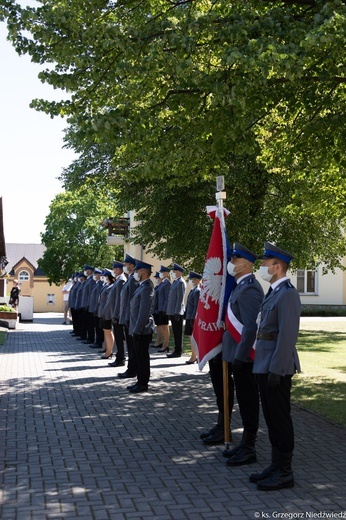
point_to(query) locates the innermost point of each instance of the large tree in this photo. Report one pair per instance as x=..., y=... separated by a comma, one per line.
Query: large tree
x=74, y=235
x=173, y=93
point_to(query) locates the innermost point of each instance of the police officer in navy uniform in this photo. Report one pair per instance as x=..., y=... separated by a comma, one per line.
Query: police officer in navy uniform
x=113, y=304
x=128, y=290
x=191, y=309
x=79, y=308
x=142, y=325
x=162, y=302
x=276, y=361
x=72, y=298
x=176, y=308
x=244, y=302
x=158, y=343
x=88, y=317
x=105, y=318
x=93, y=306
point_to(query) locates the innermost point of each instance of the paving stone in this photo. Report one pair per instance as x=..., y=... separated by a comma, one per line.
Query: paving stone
x=75, y=444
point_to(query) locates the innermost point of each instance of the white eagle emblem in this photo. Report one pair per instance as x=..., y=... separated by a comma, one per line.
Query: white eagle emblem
x=211, y=282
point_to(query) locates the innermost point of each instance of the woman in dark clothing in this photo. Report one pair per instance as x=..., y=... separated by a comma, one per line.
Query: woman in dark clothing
x=14, y=295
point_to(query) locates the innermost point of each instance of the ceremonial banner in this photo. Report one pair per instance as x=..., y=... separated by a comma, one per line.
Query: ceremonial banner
x=216, y=286
x=235, y=328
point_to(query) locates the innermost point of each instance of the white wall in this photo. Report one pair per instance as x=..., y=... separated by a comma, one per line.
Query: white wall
x=330, y=288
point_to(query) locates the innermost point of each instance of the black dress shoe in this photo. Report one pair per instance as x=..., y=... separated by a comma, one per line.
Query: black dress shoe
x=138, y=389
x=218, y=437
x=191, y=362
x=117, y=363
x=130, y=387
x=204, y=435
x=174, y=354
x=125, y=375
x=247, y=455
x=229, y=453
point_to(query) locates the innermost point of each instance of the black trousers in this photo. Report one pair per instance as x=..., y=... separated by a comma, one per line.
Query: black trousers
x=90, y=326
x=82, y=323
x=216, y=375
x=131, y=361
x=98, y=332
x=177, y=328
x=276, y=406
x=75, y=321
x=118, y=331
x=142, y=358
x=247, y=396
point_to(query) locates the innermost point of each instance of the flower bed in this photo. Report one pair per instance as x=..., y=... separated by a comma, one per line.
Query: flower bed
x=8, y=317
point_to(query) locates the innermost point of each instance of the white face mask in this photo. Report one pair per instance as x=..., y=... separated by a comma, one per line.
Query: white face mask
x=126, y=269
x=137, y=277
x=86, y=273
x=161, y=276
x=94, y=277
x=264, y=274
x=174, y=276
x=192, y=283
x=231, y=268
x=103, y=278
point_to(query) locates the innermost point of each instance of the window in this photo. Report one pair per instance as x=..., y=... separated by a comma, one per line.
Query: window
x=306, y=281
x=23, y=276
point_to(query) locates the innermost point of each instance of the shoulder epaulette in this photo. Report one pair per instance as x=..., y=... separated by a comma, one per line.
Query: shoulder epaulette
x=249, y=279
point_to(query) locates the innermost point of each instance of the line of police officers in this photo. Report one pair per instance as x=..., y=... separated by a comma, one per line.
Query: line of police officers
x=270, y=325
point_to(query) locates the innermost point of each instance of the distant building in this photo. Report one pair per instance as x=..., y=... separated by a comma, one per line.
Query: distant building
x=23, y=265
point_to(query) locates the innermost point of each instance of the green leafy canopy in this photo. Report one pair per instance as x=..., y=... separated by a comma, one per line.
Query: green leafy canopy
x=166, y=95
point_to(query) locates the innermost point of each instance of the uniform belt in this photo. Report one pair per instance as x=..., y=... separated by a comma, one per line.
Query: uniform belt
x=269, y=336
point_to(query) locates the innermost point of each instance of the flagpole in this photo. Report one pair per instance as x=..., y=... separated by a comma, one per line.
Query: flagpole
x=220, y=197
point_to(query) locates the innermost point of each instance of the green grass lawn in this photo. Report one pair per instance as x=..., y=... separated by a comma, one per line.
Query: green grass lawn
x=321, y=385
x=3, y=335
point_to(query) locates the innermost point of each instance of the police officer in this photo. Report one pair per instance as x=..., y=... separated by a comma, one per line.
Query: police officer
x=72, y=297
x=162, y=301
x=87, y=317
x=126, y=294
x=158, y=343
x=142, y=325
x=105, y=319
x=118, y=329
x=276, y=361
x=79, y=308
x=92, y=308
x=176, y=308
x=191, y=309
x=237, y=349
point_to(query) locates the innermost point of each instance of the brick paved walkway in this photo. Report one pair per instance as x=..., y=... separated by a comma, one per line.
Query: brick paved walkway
x=75, y=444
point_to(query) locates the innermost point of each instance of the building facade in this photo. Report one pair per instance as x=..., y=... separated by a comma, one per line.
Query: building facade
x=23, y=266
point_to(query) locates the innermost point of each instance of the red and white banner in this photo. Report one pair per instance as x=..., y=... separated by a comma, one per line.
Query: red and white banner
x=208, y=324
x=233, y=325
x=235, y=328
